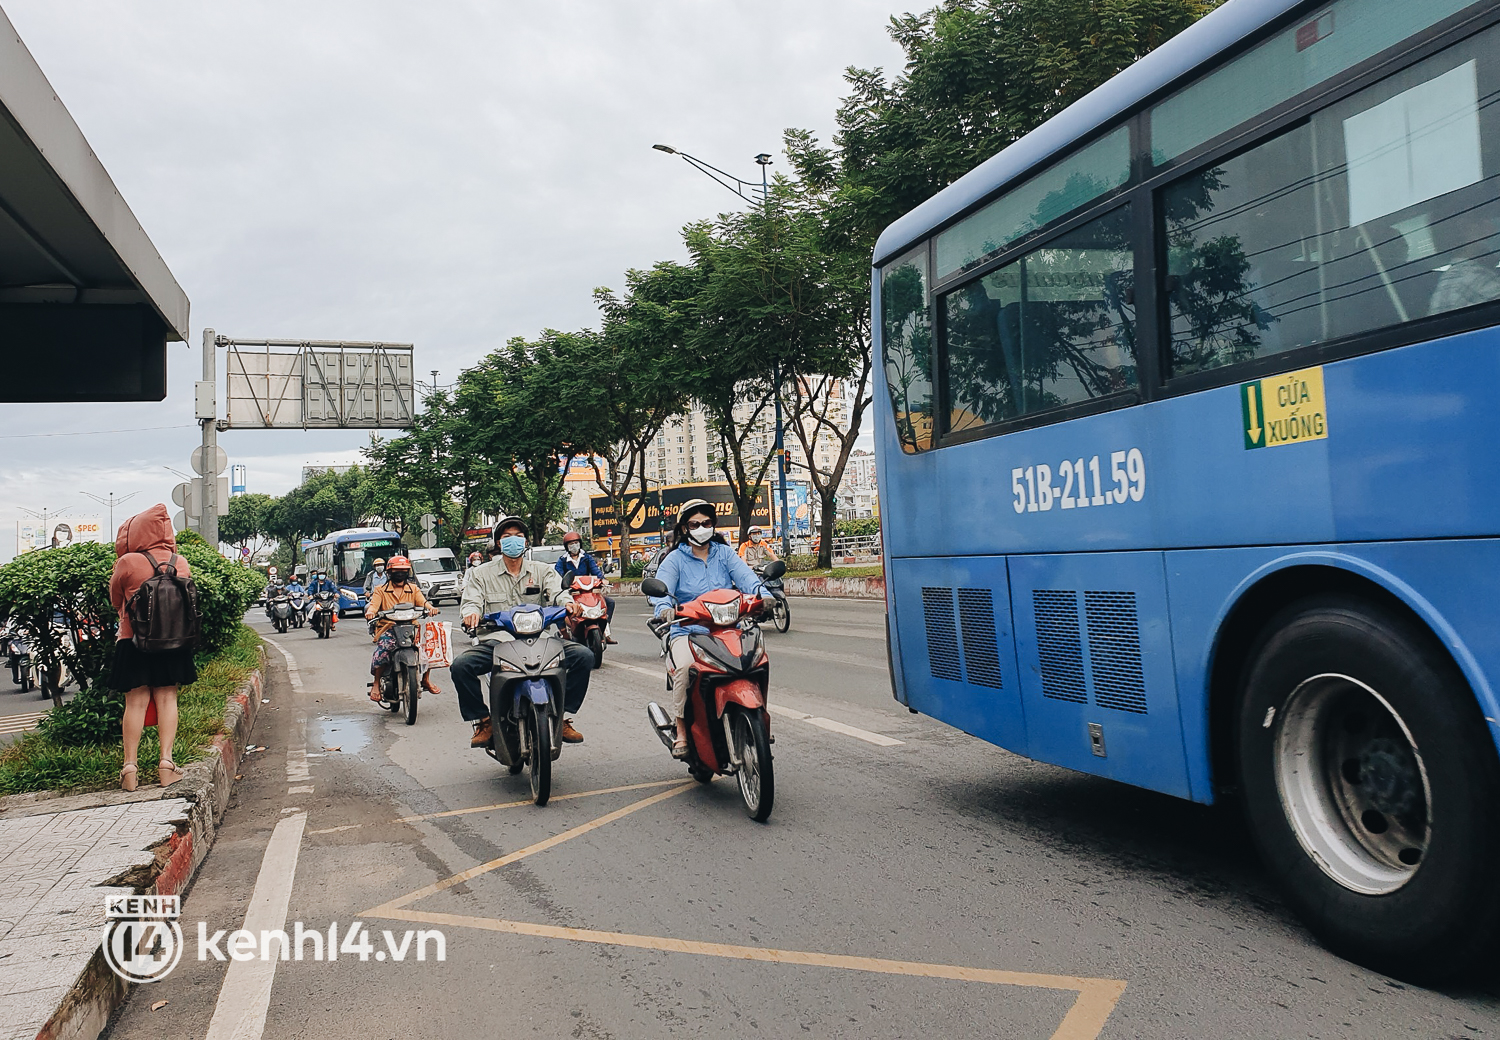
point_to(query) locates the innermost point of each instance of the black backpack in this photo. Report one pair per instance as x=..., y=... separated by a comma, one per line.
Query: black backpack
x=164, y=610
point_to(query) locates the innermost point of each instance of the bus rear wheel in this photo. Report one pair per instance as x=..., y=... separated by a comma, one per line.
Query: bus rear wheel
x=1372, y=787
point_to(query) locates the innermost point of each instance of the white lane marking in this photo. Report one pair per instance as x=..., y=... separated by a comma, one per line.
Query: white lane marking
x=303, y=789
x=879, y=740
x=293, y=672
x=240, y=1013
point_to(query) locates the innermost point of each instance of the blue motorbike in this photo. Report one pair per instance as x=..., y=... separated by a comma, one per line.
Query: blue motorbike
x=526, y=690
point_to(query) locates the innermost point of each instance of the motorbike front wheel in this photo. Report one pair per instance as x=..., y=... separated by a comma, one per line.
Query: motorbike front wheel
x=596, y=646
x=781, y=615
x=539, y=737
x=409, y=680
x=281, y=625
x=752, y=746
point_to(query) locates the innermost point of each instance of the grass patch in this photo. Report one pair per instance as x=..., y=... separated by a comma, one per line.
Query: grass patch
x=35, y=763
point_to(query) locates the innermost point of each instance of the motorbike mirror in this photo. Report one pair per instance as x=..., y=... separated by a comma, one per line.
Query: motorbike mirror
x=653, y=587
x=774, y=570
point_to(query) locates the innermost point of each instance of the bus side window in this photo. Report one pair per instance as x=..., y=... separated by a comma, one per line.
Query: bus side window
x=1379, y=210
x=906, y=340
x=1051, y=328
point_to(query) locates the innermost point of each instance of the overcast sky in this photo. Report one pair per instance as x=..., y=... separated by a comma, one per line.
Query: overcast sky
x=440, y=172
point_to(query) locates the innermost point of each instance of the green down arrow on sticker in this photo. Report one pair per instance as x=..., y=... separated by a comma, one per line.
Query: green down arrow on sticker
x=1250, y=405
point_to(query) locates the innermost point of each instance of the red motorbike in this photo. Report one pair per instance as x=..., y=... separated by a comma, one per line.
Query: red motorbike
x=588, y=627
x=729, y=729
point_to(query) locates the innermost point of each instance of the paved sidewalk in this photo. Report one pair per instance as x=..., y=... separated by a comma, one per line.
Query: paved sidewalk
x=53, y=866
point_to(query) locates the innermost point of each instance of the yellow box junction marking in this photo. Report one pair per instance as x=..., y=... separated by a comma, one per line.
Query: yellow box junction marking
x=1085, y=1019
x=1284, y=409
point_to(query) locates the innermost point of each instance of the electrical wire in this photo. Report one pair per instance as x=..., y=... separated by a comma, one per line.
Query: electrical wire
x=94, y=433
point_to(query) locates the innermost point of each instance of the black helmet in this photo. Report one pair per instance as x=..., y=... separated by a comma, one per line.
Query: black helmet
x=688, y=508
x=510, y=521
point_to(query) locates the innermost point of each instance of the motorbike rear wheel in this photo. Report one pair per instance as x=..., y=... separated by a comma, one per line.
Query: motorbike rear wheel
x=539, y=736
x=596, y=645
x=781, y=615
x=752, y=746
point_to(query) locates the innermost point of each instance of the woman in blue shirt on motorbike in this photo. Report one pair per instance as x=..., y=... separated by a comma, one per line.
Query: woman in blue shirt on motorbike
x=701, y=561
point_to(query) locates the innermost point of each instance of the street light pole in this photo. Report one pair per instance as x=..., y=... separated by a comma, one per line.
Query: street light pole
x=112, y=501
x=745, y=189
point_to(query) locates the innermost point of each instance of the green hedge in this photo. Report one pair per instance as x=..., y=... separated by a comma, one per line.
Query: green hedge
x=75, y=581
x=56, y=759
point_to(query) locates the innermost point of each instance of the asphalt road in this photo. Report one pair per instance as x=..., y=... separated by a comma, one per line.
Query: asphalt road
x=933, y=887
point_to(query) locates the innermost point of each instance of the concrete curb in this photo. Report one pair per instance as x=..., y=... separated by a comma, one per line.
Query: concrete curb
x=206, y=787
x=830, y=587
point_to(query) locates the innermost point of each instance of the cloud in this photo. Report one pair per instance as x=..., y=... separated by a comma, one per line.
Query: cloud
x=443, y=173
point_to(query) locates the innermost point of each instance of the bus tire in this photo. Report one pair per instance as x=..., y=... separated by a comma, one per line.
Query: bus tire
x=1372, y=786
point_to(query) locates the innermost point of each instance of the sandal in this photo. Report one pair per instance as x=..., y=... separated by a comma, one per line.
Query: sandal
x=164, y=767
x=679, y=749
x=127, y=777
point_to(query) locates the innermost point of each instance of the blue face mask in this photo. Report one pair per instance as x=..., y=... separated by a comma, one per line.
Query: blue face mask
x=513, y=545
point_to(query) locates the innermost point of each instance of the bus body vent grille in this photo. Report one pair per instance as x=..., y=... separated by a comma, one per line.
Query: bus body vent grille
x=942, y=637
x=976, y=616
x=1115, y=651
x=1058, y=645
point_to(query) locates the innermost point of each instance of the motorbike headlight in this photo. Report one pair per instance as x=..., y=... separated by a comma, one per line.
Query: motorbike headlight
x=401, y=615
x=724, y=613
x=593, y=612
x=526, y=622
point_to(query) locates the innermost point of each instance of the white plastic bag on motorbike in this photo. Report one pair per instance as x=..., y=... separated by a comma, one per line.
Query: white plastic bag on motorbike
x=437, y=644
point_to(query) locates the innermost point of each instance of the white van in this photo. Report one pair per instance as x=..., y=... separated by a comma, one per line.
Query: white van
x=436, y=571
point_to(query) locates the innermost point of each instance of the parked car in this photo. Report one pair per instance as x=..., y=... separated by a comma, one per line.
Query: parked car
x=436, y=571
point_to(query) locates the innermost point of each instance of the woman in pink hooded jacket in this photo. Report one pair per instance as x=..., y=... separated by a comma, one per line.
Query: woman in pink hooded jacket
x=146, y=676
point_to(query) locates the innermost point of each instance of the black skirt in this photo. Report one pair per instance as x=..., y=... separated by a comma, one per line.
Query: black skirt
x=133, y=667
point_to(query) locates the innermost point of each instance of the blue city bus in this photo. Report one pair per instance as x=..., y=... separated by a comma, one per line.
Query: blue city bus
x=348, y=556
x=1188, y=472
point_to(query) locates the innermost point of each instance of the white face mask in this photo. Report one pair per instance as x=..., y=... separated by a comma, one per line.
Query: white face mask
x=700, y=535
x=575, y=549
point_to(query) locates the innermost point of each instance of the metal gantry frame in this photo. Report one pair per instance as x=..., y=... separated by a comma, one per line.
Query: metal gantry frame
x=318, y=384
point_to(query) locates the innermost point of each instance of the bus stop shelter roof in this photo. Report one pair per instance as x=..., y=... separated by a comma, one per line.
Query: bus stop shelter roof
x=79, y=277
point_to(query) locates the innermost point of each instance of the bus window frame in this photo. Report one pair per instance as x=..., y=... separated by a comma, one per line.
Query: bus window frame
x=1246, y=138
x=942, y=436
x=1142, y=191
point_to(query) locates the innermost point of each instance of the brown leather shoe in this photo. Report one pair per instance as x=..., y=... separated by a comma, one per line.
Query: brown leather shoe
x=483, y=734
x=569, y=734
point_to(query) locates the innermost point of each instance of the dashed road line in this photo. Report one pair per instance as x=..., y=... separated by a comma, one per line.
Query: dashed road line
x=833, y=726
x=878, y=739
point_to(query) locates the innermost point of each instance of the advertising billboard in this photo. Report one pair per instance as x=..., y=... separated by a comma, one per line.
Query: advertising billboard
x=798, y=510
x=59, y=531
x=661, y=505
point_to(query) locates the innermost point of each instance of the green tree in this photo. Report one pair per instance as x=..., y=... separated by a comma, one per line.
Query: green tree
x=979, y=75
x=244, y=522
x=761, y=311
x=525, y=424
x=640, y=378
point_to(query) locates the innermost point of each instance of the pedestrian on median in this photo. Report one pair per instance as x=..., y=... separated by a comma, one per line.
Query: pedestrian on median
x=145, y=543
